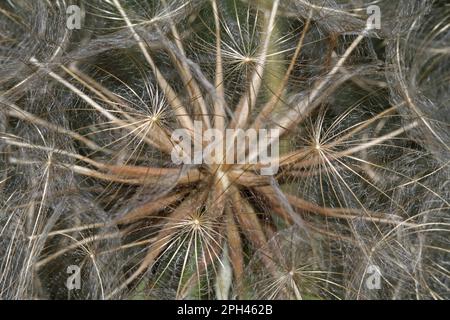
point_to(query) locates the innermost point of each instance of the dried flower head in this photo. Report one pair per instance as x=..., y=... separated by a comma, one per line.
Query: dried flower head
x=358, y=207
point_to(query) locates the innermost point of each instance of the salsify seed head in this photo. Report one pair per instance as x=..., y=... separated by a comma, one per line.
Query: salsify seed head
x=351, y=116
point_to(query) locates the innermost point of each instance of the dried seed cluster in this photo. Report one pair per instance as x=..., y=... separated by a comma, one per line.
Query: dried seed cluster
x=359, y=208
